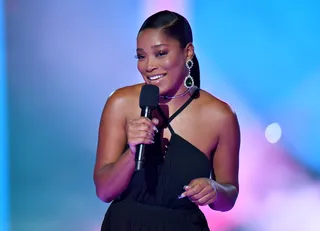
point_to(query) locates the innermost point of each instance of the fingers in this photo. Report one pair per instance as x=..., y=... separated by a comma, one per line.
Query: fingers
x=140, y=137
x=205, y=197
x=144, y=124
x=155, y=121
x=200, y=192
x=141, y=131
x=195, y=192
x=205, y=200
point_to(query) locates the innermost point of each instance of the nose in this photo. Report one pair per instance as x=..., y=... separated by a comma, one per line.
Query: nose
x=151, y=65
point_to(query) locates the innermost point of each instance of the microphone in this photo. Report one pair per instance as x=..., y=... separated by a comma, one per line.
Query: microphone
x=149, y=99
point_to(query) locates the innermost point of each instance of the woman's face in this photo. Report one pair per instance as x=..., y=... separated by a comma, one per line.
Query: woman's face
x=161, y=61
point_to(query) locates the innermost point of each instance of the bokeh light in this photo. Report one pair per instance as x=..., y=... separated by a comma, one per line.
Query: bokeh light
x=273, y=133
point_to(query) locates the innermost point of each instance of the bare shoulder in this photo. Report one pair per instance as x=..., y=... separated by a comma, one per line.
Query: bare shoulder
x=221, y=118
x=124, y=95
x=123, y=98
x=214, y=107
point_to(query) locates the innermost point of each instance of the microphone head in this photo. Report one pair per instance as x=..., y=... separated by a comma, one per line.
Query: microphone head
x=149, y=96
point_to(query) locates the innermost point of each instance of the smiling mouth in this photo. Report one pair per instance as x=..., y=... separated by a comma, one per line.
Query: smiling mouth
x=156, y=77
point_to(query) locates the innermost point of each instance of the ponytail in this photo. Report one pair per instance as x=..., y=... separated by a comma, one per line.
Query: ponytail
x=195, y=71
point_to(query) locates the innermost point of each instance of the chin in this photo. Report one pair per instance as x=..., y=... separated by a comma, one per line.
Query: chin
x=161, y=85
x=163, y=89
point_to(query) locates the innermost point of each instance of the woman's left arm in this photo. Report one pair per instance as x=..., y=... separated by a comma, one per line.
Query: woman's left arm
x=222, y=193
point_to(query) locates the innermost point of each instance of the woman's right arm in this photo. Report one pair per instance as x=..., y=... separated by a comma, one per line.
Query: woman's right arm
x=113, y=168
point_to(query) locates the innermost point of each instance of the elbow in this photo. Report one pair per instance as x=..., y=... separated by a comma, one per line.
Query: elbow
x=222, y=208
x=226, y=200
x=103, y=192
x=227, y=207
x=231, y=200
x=103, y=196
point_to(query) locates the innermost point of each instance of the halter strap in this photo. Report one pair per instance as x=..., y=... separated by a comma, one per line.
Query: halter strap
x=174, y=115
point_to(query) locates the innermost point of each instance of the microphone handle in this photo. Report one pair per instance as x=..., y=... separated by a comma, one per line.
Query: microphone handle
x=139, y=157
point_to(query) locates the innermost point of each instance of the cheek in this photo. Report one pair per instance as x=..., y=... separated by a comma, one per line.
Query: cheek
x=140, y=66
x=171, y=64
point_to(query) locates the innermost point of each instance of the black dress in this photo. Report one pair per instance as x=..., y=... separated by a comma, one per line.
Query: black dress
x=150, y=202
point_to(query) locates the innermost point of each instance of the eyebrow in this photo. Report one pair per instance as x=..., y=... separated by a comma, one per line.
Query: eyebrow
x=154, y=46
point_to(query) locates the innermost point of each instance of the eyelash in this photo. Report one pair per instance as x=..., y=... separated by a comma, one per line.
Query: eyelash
x=139, y=56
x=159, y=54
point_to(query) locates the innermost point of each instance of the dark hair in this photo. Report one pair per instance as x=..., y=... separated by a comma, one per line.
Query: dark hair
x=177, y=27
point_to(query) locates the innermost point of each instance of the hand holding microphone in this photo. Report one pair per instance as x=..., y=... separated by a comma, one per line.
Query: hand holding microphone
x=140, y=132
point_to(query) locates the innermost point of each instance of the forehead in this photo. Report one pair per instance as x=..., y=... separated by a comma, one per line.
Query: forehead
x=149, y=38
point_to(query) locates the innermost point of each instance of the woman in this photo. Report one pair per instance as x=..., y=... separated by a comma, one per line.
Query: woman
x=193, y=140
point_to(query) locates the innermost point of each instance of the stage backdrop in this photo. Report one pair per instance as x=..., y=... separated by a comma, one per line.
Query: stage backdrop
x=64, y=58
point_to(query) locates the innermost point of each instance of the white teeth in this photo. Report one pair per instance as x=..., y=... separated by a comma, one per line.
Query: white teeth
x=155, y=77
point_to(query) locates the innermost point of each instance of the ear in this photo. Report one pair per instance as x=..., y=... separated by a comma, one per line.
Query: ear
x=189, y=51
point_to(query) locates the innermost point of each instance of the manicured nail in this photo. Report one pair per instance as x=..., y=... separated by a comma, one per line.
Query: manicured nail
x=186, y=187
x=181, y=196
x=155, y=129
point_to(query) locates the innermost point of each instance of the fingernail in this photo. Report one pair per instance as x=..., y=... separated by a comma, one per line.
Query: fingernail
x=181, y=196
x=155, y=129
x=186, y=187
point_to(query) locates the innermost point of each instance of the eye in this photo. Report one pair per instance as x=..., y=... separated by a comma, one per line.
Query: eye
x=161, y=53
x=139, y=56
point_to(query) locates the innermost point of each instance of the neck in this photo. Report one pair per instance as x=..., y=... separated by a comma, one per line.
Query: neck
x=188, y=90
x=187, y=93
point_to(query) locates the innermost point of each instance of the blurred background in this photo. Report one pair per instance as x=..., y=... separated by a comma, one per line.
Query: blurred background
x=64, y=58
